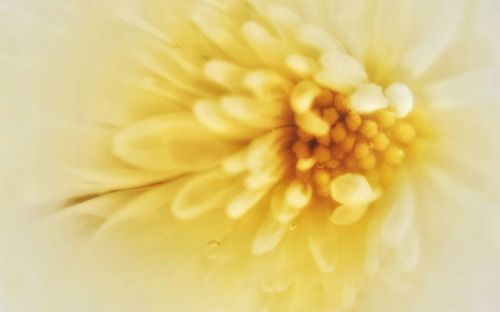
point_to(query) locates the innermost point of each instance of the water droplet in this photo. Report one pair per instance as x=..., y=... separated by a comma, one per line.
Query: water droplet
x=371, y=145
x=292, y=227
x=212, y=249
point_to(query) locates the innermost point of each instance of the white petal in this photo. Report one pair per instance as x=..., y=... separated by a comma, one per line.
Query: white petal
x=409, y=250
x=253, y=113
x=302, y=65
x=303, y=95
x=268, y=48
x=267, y=84
x=352, y=189
x=399, y=220
x=318, y=38
x=466, y=89
x=223, y=32
x=210, y=114
x=225, y=74
x=368, y=98
x=346, y=215
x=340, y=72
x=440, y=23
x=400, y=99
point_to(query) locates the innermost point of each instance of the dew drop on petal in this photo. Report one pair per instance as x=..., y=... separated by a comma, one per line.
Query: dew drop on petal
x=212, y=249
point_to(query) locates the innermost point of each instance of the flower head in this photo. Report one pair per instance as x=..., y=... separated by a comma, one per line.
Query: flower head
x=276, y=145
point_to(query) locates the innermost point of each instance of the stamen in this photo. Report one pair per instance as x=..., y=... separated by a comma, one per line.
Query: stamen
x=339, y=148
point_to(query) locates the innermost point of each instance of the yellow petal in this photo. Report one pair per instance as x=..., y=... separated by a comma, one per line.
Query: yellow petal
x=346, y=215
x=352, y=189
x=323, y=244
x=245, y=201
x=268, y=236
x=171, y=142
x=207, y=191
x=340, y=72
x=210, y=114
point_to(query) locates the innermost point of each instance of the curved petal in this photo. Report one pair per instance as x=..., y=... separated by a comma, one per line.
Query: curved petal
x=207, y=191
x=171, y=142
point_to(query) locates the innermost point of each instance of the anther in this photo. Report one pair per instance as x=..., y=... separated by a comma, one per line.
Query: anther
x=353, y=121
x=369, y=129
x=322, y=154
x=330, y=115
x=338, y=133
x=348, y=142
x=325, y=98
x=394, y=155
x=368, y=162
x=403, y=132
x=361, y=150
x=386, y=118
x=321, y=177
x=301, y=149
x=380, y=142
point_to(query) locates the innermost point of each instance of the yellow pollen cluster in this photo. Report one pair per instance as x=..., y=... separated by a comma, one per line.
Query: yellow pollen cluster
x=371, y=144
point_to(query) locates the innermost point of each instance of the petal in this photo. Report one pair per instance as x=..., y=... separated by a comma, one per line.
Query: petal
x=352, y=189
x=171, y=142
x=409, y=250
x=368, y=98
x=207, y=191
x=223, y=32
x=340, y=72
x=287, y=200
x=253, y=113
x=400, y=99
x=312, y=124
x=145, y=204
x=400, y=217
x=466, y=88
x=346, y=215
x=411, y=35
x=269, y=235
x=268, y=48
x=210, y=114
x=323, y=244
x=245, y=201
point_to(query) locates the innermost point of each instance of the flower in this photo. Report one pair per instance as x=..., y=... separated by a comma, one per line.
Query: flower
x=288, y=156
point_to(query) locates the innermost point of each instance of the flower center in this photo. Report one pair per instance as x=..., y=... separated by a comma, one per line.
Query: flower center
x=347, y=147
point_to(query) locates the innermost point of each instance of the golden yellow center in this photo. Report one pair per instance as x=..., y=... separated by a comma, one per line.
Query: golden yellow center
x=368, y=144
